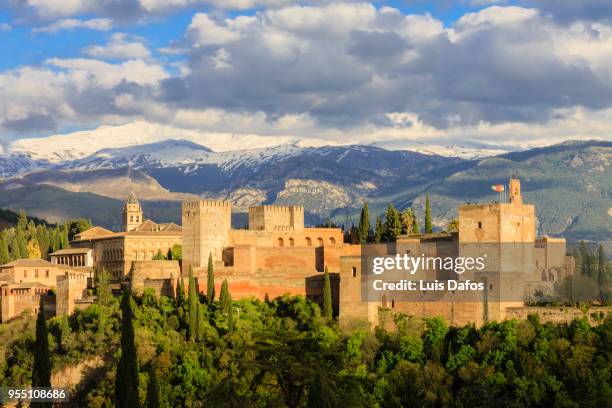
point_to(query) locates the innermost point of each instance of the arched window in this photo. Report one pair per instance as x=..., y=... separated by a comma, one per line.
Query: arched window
x=320, y=241
x=308, y=241
x=281, y=242
x=131, y=218
x=332, y=240
x=291, y=242
x=354, y=272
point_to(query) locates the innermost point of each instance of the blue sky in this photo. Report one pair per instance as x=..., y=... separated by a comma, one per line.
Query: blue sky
x=497, y=73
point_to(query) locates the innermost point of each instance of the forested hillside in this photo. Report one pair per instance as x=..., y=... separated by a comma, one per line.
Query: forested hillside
x=284, y=353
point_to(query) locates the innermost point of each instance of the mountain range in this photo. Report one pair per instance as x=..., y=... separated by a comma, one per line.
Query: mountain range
x=570, y=183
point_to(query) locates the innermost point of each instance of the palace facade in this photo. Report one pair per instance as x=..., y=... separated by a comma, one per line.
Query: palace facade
x=140, y=240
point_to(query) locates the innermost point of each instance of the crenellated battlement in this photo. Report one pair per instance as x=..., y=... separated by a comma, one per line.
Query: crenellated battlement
x=190, y=205
x=277, y=208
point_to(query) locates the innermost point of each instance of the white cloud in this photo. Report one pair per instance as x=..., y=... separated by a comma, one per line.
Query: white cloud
x=337, y=72
x=205, y=31
x=119, y=47
x=5, y=27
x=86, y=72
x=98, y=24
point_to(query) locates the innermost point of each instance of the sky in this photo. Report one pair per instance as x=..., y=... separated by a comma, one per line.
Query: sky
x=501, y=74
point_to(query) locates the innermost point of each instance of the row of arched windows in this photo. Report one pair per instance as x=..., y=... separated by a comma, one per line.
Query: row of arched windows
x=320, y=241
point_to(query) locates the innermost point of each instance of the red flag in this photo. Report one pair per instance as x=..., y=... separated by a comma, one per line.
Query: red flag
x=498, y=188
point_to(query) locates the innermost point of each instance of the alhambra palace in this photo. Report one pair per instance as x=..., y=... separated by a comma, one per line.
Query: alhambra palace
x=277, y=254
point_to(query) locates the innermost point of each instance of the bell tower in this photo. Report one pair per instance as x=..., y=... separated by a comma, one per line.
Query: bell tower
x=132, y=213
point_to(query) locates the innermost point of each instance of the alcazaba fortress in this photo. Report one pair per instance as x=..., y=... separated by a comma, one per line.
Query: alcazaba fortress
x=277, y=254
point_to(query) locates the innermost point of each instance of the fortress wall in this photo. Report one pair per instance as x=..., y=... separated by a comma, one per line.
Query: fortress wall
x=276, y=218
x=70, y=287
x=143, y=272
x=559, y=314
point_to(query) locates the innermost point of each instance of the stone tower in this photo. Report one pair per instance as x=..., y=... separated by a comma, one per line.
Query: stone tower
x=515, y=191
x=206, y=228
x=132, y=213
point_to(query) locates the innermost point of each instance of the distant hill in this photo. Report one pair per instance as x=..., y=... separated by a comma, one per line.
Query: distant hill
x=570, y=183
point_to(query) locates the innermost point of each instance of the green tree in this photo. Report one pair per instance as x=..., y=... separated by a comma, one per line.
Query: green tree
x=393, y=225
x=415, y=224
x=126, y=381
x=428, y=226
x=159, y=256
x=180, y=292
x=192, y=307
x=177, y=252
x=153, y=400
x=225, y=299
x=41, y=372
x=5, y=256
x=364, y=224
x=378, y=230
x=602, y=269
x=77, y=226
x=210, y=283
x=407, y=217
x=453, y=225
x=104, y=293
x=316, y=397
x=327, y=296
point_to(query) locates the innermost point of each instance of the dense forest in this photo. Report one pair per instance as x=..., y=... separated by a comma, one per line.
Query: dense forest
x=32, y=238
x=285, y=352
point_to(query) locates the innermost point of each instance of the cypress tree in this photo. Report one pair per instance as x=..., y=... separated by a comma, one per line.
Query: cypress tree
x=415, y=224
x=316, y=399
x=180, y=293
x=41, y=372
x=192, y=305
x=364, y=224
x=378, y=230
x=126, y=382
x=5, y=256
x=327, y=296
x=225, y=298
x=21, y=245
x=201, y=324
x=153, y=390
x=602, y=269
x=428, y=226
x=210, y=284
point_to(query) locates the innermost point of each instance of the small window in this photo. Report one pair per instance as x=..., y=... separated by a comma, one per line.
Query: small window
x=36, y=273
x=281, y=242
x=25, y=273
x=291, y=242
x=46, y=273
x=479, y=224
x=392, y=303
x=131, y=218
x=308, y=241
x=137, y=218
x=354, y=272
x=490, y=286
x=320, y=241
x=332, y=240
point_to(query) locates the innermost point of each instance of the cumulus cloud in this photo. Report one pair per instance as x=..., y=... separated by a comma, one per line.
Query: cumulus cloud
x=119, y=47
x=98, y=24
x=340, y=71
x=349, y=64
